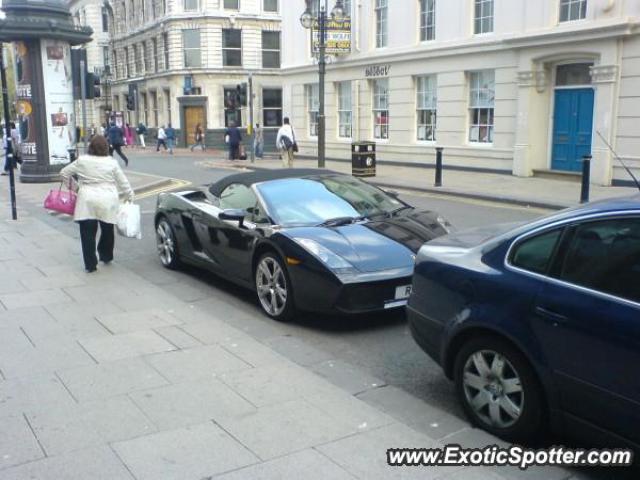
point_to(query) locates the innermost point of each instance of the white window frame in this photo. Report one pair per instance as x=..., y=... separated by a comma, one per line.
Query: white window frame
x=381, y=8
x=227, y=48
x=312, y=94
x=345, y=110
x=271, y=109
x=571, y=8
x=487, y=11
x=427, y=104
x=427, y=20
x=482, y=87
x=194, y=8
x=380, y=105
x=185, y=49
x=235, y=9
x=272, y=50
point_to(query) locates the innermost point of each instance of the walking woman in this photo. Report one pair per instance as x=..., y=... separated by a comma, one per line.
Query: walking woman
x=128, y=136
x=199, y=136
x=99, y=179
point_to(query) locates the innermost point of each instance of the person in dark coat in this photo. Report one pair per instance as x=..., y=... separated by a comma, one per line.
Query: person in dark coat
x=234, y=138
x=115, y=135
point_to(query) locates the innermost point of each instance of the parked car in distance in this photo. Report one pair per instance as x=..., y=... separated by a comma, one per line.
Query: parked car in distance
x=539, y=324
x=302, y=239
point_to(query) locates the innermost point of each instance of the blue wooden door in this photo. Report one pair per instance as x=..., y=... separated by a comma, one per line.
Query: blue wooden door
x=572, y=128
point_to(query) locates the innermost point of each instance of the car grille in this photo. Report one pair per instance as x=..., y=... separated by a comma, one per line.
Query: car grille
x=362, y=297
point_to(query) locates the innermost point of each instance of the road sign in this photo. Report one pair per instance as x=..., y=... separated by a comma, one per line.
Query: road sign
x=338, y=37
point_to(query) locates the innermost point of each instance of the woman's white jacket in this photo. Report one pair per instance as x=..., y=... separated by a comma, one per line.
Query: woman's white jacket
x=100, y=183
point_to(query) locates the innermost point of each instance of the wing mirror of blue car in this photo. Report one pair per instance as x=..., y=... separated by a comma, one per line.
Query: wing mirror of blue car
x=233, y=214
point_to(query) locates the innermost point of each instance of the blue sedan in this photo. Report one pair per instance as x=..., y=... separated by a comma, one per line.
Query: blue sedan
x=539, y=325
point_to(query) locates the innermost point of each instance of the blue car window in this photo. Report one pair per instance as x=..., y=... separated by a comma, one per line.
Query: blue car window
x=605, y=256
x=301, y=201
x=535, y=254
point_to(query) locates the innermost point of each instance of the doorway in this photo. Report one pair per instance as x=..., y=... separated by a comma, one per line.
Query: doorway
x=193, y=115
x=572, y=117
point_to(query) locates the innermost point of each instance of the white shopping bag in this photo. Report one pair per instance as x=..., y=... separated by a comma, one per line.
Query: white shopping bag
x=129, y=221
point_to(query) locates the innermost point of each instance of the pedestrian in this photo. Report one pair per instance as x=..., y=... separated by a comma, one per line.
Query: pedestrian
x=15, y=148
x=286, y=143
x=233, y=137
x=258, y=143
x=171, y=137
x=92, y=131
x=199, y=137
x=141, y=131
x=103, y=129
x=129, y=136
x=99, y=178
x=162, y=139
x=116, y=141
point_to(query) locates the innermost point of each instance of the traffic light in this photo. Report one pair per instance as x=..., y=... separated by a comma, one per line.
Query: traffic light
x=131, y=103
x=92, y=85
x=241, y=90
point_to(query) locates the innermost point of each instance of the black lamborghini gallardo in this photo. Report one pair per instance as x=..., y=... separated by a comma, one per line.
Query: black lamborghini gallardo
x=312, y=240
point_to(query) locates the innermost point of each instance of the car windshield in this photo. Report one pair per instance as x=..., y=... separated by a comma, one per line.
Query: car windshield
x=315, y=201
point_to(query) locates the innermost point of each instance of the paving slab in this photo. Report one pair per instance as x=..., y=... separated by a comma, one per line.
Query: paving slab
x=346, y=376
x=307, y=464
x=93, y=463
x=111, y=379
x=20, y=395
x=118, y=347
x=57, y=281
x=178, y=337
x=298, y=351
x=365, y=455
x=191, y=403
x=196, y=363
x=127, y=322
x=62, y=429
x=34, y=298
x=277, y=430
x=196, y=452
x=17, y=442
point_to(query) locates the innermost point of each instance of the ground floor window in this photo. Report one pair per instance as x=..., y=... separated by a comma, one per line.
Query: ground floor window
x=380, y=90
x=481, y=106
x=272, y=107
x=345, y=110
x=232, y=111
x=313, y=109
x=426, y=88
x=145, y=108
x=167, y=101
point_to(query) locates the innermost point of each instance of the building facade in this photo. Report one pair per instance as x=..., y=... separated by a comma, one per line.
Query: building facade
x=96, y=14
x=507, y=85
x=180, y=61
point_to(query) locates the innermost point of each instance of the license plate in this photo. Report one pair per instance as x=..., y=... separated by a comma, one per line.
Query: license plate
x=403, y=292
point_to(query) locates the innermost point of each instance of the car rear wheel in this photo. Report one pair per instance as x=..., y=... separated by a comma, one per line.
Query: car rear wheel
x=166, y=242
x=498, y=389
x=274, y=288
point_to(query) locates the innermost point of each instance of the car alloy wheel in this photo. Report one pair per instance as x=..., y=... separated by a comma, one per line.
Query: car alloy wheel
x=499, y=389
x=493, y=388
x=272, y=287
x=166, y=243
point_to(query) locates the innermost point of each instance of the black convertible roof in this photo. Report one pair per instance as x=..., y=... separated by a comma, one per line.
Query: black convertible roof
x=257, y=176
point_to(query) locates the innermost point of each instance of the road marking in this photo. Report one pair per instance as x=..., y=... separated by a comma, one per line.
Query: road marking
x=174, y=185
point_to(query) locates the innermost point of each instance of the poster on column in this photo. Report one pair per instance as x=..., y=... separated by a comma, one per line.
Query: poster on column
x=25, y=55
x=58, y=88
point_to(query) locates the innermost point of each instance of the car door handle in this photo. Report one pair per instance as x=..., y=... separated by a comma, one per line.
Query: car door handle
x=551, y=315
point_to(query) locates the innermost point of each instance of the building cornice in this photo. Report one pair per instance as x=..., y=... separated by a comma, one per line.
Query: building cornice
x=482, y=45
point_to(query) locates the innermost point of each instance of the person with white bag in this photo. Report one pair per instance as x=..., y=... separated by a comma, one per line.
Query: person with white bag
x=99, y=178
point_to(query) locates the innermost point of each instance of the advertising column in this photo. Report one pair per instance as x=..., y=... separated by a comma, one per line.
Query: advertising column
x=26, y=64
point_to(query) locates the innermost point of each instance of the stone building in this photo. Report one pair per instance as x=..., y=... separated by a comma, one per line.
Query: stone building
x=180, y=61
x=516, y=86
x=97, y=15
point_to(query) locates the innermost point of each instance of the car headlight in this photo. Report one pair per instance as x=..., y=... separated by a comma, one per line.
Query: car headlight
x=444, y=223
x=335, y=262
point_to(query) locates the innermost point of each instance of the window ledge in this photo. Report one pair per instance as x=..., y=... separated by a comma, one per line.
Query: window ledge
x=480, y=144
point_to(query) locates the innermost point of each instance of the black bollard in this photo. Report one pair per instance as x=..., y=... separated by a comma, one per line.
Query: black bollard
x=586, y=178
x=439, y=166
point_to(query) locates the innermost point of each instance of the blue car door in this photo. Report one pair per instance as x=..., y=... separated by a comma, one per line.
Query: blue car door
x=587, y=319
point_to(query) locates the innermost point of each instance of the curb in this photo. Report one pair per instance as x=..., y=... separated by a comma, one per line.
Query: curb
x=153, y=183
x=520, y=202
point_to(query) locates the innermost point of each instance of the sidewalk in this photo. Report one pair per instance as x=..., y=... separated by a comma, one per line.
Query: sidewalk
x=107, y=376
x=533, y=191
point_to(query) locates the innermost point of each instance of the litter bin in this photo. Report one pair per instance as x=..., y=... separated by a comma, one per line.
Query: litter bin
x=363, y=159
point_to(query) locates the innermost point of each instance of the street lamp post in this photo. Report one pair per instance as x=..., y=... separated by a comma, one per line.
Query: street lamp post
x=308, y=20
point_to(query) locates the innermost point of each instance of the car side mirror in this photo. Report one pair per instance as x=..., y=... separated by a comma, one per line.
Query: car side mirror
x=233, y=214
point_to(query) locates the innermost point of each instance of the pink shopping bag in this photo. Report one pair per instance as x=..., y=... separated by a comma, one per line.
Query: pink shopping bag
x=61, y=201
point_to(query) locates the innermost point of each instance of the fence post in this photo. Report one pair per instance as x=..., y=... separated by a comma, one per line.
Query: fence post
x=439, y=166
x=586, y=178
